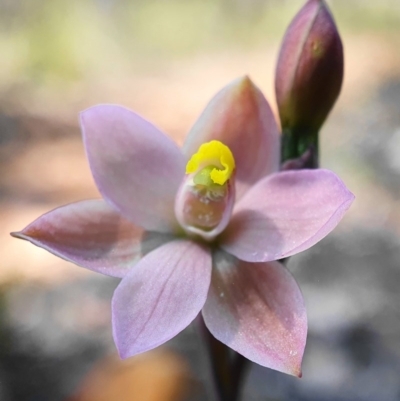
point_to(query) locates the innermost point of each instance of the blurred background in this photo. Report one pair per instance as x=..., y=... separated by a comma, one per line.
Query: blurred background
x=166, y=59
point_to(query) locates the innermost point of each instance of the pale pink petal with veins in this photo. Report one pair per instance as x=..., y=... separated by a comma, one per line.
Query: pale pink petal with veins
x=136, y=167
x=93, y=235
x=240, y=117
x=257, y=310
x=161, y=296
x=286, y=213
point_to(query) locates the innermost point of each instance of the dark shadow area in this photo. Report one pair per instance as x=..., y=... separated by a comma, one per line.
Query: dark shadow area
x=50, y=338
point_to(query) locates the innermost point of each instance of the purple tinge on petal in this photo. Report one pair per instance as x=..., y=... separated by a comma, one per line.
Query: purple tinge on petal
x=240, y=117
x=136, y=167
x=161, y=296
x=93, y=235
x=286, y=213
x=257, y=310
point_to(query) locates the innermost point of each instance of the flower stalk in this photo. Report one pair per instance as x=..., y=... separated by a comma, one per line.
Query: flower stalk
x=228, y=367
x=299, y=149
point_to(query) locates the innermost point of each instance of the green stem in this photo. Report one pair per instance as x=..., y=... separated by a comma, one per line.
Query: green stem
x=228, y=367
x=296, y=142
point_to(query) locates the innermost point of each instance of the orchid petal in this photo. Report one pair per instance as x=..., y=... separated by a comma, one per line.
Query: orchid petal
x=286, y=213
x=257, y=310
x=136, y=167
x=240, y=117
x=161, y=296
x=93, y=235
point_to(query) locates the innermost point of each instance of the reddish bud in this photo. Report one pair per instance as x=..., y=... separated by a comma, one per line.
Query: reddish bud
x=309, y=72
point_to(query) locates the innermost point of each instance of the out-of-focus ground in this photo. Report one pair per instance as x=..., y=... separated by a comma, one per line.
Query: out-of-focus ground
x=165, y=60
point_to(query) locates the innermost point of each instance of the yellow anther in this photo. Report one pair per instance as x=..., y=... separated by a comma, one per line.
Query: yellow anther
x=213, y=154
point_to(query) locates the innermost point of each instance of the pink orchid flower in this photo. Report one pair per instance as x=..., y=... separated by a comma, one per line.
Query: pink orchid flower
x=179, y=242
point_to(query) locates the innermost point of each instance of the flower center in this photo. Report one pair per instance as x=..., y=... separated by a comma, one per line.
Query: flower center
x=205, y=199
x=213, y=162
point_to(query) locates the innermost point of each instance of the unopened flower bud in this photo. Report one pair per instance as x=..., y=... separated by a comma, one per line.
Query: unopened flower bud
x=309, y=72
